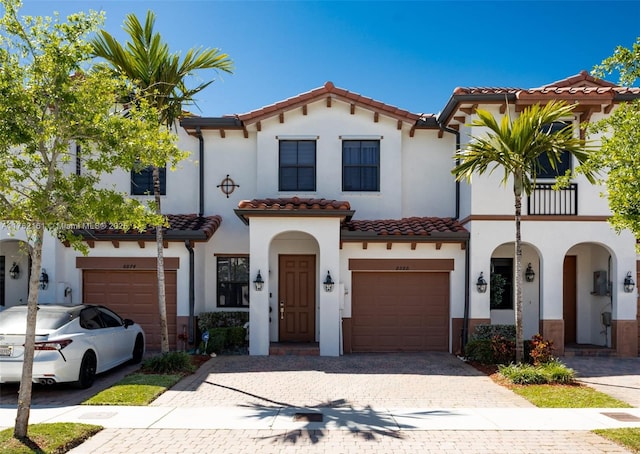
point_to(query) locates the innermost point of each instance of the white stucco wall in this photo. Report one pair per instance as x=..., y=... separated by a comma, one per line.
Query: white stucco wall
x=265, y=239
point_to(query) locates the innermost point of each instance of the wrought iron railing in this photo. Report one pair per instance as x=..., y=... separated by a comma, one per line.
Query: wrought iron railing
x=546, y=201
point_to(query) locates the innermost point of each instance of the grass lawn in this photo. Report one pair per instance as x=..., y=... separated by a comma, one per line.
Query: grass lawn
x=574, y=396
x=135, y=389
x=47, y=438
x=566, y=396
x=629, y=438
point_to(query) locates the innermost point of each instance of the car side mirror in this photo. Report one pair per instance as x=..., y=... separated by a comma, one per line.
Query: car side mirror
x=128, y=322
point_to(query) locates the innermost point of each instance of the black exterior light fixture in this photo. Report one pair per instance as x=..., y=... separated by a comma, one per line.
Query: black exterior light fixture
x=529, y=274
x=629, y=284
x=259, y=283
x=14, y=271
x=481, y=284
x=328, y=283
x=44, y=279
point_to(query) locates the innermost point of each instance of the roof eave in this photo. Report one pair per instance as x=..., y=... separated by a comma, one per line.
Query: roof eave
x=244, y=215
x=453, y=237
x=455, y=100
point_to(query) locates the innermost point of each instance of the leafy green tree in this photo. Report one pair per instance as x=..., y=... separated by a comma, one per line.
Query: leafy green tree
x=49, y=100
x=515, y=147
x=620, y=150
x=160, y=77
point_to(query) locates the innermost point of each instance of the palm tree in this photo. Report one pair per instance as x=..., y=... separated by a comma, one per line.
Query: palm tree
x=517, y=147
x=160, y=77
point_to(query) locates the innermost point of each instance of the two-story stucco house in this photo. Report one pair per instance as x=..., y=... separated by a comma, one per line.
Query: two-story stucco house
x=335, y=221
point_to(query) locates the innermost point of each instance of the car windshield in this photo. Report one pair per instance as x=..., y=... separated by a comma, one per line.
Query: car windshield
x=14, y=319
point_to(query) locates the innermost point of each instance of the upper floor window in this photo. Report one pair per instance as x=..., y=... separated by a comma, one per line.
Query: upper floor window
x=142, y=181
x=546, y=170
x=233, y=282
x=361, y=165
x=297, y=160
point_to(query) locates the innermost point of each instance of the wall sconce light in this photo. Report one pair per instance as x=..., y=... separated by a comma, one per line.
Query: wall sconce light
x=328, y=283
x=259, y=283
x=629, y=284
x=14, y=271
x=529, y=274
x=481, y=284
x=44, y=279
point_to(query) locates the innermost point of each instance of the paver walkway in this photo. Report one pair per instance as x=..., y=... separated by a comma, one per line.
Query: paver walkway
x=410, y=403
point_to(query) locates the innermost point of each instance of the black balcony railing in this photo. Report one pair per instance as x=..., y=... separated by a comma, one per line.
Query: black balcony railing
x=546, y=201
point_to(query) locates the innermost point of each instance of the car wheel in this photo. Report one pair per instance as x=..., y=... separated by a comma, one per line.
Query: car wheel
x=138, y=350
x=87, y=374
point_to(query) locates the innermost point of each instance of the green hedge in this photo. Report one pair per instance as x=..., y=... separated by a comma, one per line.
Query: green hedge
x=208, y=320
x=221, y=339
x=490, y=331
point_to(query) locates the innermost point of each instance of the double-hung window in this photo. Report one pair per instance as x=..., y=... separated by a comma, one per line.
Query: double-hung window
x=142, y=181
x=297, y=160
x=360, y=165
x=233, y=281
x=545, y=169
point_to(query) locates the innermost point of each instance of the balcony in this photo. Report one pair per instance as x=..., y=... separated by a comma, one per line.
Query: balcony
x=545, y=201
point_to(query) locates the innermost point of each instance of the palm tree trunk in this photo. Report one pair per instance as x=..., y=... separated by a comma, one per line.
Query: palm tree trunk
x=24, y=393
x=518, y=277
x=162, y=300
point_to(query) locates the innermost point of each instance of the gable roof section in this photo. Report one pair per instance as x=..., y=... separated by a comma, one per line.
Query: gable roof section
x=182, y=227
x=413, y=229
x=589, y=93
x=293, y=206
x=327, y=92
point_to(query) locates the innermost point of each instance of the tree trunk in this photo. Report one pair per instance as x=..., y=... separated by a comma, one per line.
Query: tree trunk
x=162, y=300
x=518, y=280
x=24, y=393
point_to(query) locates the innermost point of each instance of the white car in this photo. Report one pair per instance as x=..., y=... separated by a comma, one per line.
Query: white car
x=73, y=343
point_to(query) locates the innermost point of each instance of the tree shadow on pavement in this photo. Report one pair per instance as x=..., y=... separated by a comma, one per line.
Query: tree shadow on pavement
x=313, y=422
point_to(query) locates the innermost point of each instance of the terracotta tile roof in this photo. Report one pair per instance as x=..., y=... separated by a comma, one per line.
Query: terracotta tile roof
x=294, y=203
x=293, y=206
x=329, y=90
x=426, y=227
x=181, y=227
x=582, y=85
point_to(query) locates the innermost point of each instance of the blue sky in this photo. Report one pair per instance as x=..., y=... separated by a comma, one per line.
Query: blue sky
x=409, y=54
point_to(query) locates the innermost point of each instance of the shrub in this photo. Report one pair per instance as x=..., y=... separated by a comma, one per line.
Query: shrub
x=489, y=331
x=221, y=339
x=208, y=320
x=503, y=349
x=557, y=372
x=479, y=350
x=528, y=374
x=169, y=363
x=522, y=374
x=541, y=350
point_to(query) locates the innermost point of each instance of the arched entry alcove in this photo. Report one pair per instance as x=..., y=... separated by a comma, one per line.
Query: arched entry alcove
x=14, y=272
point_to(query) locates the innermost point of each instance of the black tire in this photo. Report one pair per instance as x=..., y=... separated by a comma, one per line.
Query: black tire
x=138, y=350
x=87, y=374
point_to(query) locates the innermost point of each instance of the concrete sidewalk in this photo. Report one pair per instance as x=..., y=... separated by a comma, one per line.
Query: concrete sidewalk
x=347, y=419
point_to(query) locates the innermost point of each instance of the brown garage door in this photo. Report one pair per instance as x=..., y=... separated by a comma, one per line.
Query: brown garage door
x=395, y=312
x=134, y=295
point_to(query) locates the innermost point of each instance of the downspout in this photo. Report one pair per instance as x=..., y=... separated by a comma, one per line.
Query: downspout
x=201, y=170
x=467, y=266
x=457, y=134
x=467, y=273
x=191, y=324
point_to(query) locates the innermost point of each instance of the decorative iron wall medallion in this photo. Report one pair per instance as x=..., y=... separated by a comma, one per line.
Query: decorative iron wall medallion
x=227, y=186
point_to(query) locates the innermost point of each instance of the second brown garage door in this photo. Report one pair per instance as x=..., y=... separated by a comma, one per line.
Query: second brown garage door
x=134, y=294
x=396, y=312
